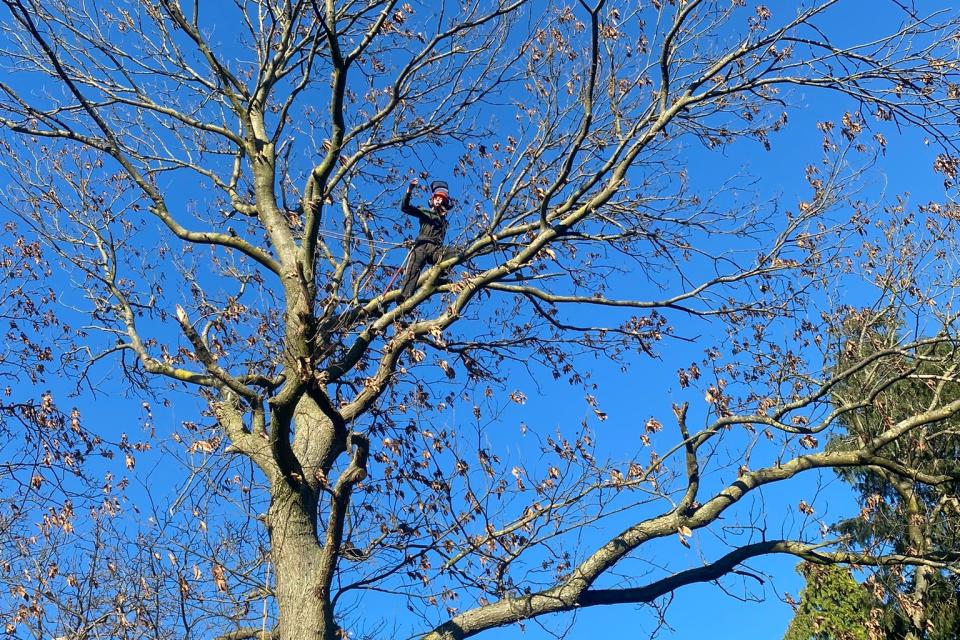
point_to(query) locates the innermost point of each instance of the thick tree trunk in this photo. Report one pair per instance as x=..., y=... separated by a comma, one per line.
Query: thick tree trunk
x=302, y=591
x=305, y=612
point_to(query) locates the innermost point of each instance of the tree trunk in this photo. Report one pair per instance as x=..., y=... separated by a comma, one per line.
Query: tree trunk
x=302, y=581
x=919, y=544
x=305, y=612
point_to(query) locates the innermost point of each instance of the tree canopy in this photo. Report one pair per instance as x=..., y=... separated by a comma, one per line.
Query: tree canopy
x=204, y=214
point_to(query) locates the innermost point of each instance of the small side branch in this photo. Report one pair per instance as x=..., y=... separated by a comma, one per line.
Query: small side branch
x=249, y=633
x=355, y=472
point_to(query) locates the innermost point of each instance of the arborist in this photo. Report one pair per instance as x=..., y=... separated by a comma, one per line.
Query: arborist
x=427, y=248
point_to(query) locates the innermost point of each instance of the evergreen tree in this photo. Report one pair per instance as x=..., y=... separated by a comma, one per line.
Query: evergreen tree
x=833, y=606
x=898, y=514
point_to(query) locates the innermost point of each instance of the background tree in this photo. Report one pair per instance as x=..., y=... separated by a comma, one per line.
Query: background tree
x=220, y=190
x=832, y=606
x=898, y=513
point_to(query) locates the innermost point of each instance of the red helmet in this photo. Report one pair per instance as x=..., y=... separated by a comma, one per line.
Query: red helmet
x=440, y=188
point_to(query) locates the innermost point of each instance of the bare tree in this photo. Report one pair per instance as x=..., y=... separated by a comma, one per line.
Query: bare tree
x=221, y=188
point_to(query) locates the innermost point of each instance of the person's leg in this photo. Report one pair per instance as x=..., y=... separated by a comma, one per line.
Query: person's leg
x=415, y=261
x=440, y=254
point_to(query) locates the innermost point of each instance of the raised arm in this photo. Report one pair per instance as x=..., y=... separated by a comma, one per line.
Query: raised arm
x=405, y=205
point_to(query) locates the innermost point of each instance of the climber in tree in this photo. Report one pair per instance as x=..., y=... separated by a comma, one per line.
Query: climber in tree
x=427, y=248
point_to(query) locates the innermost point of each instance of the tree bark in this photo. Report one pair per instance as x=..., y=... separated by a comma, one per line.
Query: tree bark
x=305, y=610
x=919, y=544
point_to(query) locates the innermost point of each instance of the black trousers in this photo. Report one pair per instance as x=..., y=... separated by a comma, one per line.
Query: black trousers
x=420, y=255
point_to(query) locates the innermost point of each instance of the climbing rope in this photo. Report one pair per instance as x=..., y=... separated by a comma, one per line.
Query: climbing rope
x=342, y=236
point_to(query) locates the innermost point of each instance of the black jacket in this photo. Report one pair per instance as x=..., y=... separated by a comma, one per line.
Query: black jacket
x=433, y=226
